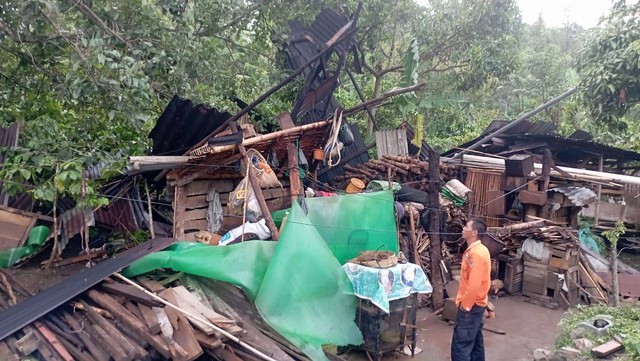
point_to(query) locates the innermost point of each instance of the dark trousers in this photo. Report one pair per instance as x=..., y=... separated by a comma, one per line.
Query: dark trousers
x=468, y=343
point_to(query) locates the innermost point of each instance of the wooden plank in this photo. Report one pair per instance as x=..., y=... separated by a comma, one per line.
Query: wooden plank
x=53, y=341
x=198, y=187
x=26, y=214
x=222, y=185
x=111, y=345
x=150, y=318
x=272, y=193
x=131, y=350
x=131, y=293
x=12, y=231
x=178, y=211
x=74, y=351
x=13, y=218
x=189, y=302
x=195, y=214
x=124, y=316
x=613, y=212
x=150, y=284
x=199, y=201
x=208, y=330
x=183, y=332
x=562, y=264
x=28, y=343
x=95, y=349
x=193, y=225
x=207, y=341
x=131, y=307
x=6, y=354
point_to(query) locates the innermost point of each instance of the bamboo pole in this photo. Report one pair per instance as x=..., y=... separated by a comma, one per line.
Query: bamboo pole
x=271, y=136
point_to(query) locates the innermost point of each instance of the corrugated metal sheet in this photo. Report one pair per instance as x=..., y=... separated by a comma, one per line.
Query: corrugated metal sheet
x=319, y=102
x=567, y=150
x=391, y=142
x=8, y=139
x=22, y=201
x=119, y=215
x=73, y=222
x=574, y=149
x=326, y=25
x=579, y=196
x=183, y=124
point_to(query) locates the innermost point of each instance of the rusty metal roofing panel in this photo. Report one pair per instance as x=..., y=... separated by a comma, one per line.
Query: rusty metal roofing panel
x=579, y=196
x=118, y=215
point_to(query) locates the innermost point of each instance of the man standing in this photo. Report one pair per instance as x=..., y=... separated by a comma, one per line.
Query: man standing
x=475, y=280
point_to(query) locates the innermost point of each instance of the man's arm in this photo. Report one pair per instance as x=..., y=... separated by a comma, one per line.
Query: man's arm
x=475, y=280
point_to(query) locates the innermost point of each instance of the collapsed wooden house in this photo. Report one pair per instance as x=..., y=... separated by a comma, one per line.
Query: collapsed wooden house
x=531, y=185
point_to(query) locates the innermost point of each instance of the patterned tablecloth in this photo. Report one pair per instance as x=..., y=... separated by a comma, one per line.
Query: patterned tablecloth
x=383, y=285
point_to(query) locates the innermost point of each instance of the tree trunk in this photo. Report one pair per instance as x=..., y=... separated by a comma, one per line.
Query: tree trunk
x=615, y=291
x=376, y=93
x=435, y=252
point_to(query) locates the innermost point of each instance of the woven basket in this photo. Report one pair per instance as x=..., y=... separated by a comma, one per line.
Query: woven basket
x=376, y=259
x=266, y=176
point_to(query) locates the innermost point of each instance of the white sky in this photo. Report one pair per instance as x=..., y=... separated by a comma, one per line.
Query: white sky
x=555, y=13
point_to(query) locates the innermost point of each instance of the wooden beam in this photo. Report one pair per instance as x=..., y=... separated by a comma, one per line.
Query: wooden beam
x=294, y=174
x=435, y=252
x=131, y=293
x=124, y=316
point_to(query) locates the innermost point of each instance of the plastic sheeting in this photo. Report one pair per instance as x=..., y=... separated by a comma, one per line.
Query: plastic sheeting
x=297, y=284
x=242, y=264
x=352, y=223
x=37, y=236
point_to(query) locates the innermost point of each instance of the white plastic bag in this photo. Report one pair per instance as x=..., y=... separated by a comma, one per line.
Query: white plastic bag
x=244, y=192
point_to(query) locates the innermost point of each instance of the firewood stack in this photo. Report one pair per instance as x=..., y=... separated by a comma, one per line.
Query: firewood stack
x=402, y=169
x=119, y=321
x=513, y=236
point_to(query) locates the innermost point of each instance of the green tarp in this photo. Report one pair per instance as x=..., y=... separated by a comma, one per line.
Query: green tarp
x=37, y=236
x=297, y=283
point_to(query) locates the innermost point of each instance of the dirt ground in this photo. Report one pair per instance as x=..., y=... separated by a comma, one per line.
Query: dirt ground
x=528, y=327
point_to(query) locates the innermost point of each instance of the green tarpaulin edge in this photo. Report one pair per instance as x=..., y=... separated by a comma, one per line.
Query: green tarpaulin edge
x=37, y=236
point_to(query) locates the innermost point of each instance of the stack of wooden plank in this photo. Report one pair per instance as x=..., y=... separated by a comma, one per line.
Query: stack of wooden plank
x=563, y=278
x=122, y=322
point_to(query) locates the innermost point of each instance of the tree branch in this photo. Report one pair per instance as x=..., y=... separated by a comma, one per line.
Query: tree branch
x=86, y=10
x=391, y=69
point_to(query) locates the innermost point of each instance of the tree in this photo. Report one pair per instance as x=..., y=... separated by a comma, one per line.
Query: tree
x=609, y=68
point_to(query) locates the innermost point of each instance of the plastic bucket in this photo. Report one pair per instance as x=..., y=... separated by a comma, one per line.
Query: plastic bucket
x=355, y=186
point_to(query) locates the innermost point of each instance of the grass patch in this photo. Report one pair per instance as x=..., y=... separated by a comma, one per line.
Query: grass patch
x=626, y=321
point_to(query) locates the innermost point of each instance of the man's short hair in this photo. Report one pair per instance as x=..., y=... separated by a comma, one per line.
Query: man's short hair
x=478, y=224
